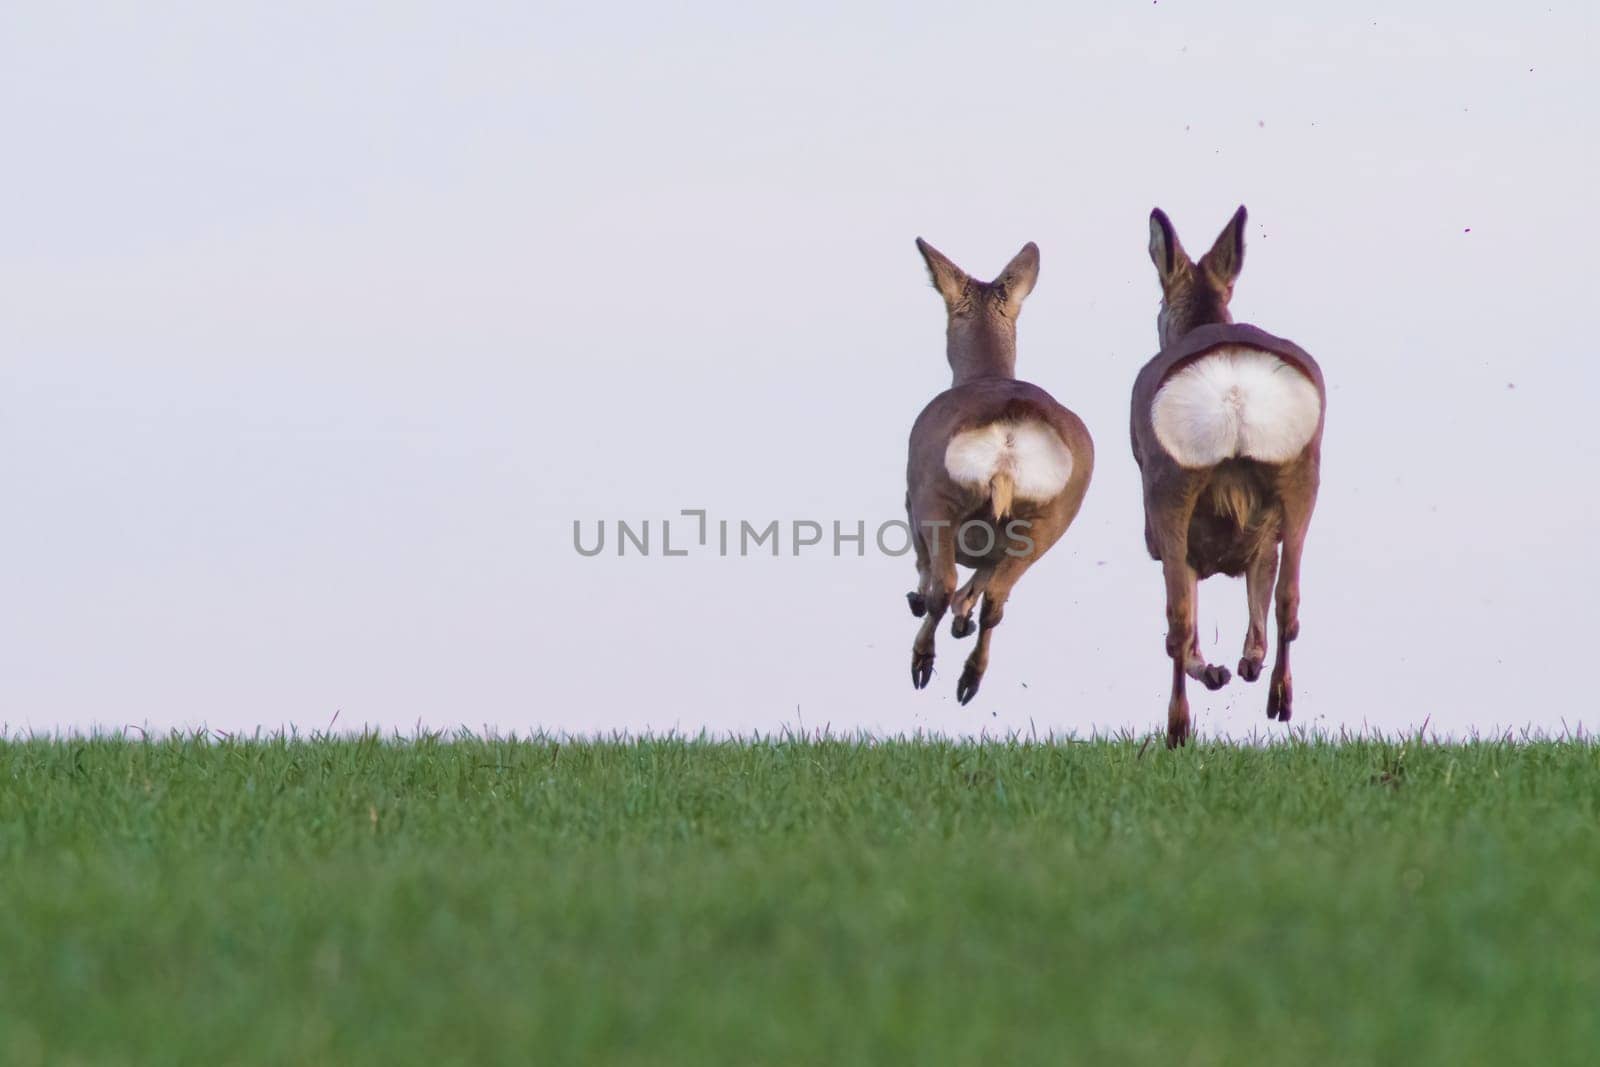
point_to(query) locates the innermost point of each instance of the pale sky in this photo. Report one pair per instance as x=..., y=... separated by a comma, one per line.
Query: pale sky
x=320, y=324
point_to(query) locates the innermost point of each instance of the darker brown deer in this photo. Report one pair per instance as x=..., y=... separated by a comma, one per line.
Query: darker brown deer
x=1227, y=432
x=997, y=469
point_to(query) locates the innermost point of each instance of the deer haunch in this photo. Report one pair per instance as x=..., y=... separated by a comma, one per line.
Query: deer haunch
x=1010, y=460
x=1236, y=403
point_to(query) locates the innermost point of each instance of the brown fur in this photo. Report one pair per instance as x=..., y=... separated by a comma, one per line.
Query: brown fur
x=1229, y=518
x=981, y=343
x=1234, y=496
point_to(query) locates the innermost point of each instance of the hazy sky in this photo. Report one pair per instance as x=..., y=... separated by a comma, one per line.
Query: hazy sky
x=320, y=324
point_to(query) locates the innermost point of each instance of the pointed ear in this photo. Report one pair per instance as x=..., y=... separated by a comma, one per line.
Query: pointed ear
x=1226, y=257
x=1018, y=279
x=1165, y=251
x=949, y=279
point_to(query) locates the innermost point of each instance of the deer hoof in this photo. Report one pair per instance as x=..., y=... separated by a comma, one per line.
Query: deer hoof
x=919, y=604
x=921, y=669
x=961, y=626
x=1249, y=669
x=1177, y=738
x=1214, y=676
x=1279, y=699
x=967, y=687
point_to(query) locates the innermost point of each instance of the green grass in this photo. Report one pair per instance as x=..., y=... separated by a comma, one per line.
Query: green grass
x=662, y=901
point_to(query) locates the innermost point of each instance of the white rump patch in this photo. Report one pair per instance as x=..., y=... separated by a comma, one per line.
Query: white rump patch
x=1236, y=402
x=1036, y=459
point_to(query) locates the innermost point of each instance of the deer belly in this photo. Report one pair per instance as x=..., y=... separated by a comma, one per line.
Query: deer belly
x=1236, y=403
x=1036, y=460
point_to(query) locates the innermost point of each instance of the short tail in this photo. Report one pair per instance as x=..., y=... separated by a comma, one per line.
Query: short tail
x=1000, y=489
x=1235, y=495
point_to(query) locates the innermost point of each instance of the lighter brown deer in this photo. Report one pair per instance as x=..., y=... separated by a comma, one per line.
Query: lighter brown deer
x=997, y=469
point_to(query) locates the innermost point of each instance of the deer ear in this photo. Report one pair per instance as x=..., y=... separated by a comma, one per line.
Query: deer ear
x=949, y=279
x=1226, y=257
x=1019, y=277
x=1165, y=251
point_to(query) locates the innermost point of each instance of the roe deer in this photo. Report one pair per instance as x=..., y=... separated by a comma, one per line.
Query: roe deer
x=997, y=468
x=1227, y=432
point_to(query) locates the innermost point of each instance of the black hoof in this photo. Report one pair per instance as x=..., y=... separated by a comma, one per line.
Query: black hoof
x=919, y=604
x=967, y=687
x=1249, y=669
x=961, y=626
x=1214, y=677
x=921, y=669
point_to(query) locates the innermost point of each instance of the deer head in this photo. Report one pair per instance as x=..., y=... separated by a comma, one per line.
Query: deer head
x=981, y=335
x=1194, y=294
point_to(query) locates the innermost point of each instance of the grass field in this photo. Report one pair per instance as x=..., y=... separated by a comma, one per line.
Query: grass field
x=661, y=901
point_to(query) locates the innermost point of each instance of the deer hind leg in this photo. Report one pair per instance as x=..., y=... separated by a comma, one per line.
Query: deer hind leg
x=1170, y=524
x=996, y=591
x=1258, y=578
x=1297, y=520
x=1181, y=581
x=967, y=599
x=917, y=599
x=1211, y=675
x=938, y=588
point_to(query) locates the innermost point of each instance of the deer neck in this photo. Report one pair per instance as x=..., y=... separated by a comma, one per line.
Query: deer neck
x=1178, y=317
x=990, y=353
